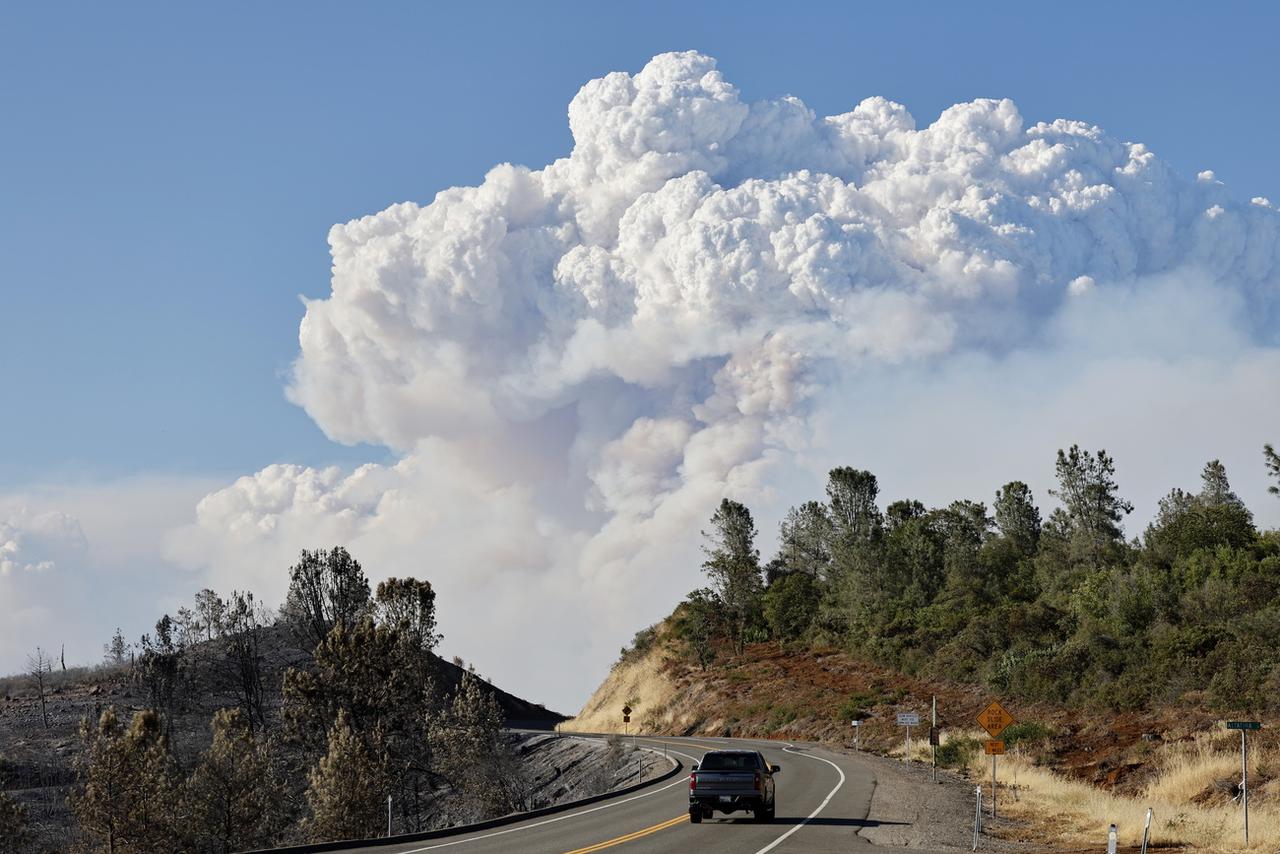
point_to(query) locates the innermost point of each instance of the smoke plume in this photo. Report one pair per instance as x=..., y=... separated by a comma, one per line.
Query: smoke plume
x=709, y=297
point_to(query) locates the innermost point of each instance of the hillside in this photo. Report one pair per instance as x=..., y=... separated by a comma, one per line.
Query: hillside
x=801, y=694
x=37, y=763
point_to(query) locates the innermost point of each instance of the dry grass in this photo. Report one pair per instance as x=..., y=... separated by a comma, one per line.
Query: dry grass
x=1080, y=813
x=643, y=677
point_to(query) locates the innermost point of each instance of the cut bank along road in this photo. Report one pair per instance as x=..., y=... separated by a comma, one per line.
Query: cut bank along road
x=823, y=801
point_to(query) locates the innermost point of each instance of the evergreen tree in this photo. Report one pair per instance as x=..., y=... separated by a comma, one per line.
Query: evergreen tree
x=1017, y=517
x=346, y=791
x=242, y=662
x=1272, y=460
x=475, y=757
x=1091, y=503
x=384, y=684
x=126, y=787
x=162, y=670
x=733, y=563
x=790, y=604
x=115, y=651
x=232, y=800
x=699, y=622
x=855, y=517
x=326, y=589
x=409, y=605
x=804, y=539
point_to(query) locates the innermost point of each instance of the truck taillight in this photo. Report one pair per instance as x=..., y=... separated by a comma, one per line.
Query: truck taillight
x=759, y=782
x=693, y=781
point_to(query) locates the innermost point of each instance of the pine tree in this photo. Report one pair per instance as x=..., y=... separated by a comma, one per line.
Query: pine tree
x=474, y=756
x=1272, y=460
x=232, y=799
x=1092, y=505
x=409, y=605
x=346, y=791
x=733, y=563
x=117, y=649
x=326, y=589
x=126, y=790
x=1017, y=517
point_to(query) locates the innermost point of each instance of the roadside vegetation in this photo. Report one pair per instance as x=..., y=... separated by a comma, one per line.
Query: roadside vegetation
x=1062, y=610
x=320, y=713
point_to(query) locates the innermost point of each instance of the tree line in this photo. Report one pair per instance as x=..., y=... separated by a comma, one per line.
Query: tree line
x=311, y=753
x=1062, y=609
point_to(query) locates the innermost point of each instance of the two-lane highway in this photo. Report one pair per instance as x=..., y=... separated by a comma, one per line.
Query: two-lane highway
x=823, y=800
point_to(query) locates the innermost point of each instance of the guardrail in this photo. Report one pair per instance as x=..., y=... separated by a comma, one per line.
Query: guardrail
x=676, y=767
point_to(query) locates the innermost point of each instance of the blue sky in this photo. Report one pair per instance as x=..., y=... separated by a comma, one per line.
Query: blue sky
x=170, y=172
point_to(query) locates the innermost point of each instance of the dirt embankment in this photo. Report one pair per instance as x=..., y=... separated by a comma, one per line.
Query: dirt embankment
x=772, y=692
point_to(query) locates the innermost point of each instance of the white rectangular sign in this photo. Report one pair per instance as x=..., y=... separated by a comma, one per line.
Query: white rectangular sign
x=908, y=719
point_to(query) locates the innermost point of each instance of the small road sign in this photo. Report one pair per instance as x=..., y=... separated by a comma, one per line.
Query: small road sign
x=908, y=719
x=935, y=736
x=994, y=719
x=995, y=748
x=626, y=710
x=1244, y=725
x=626, y=719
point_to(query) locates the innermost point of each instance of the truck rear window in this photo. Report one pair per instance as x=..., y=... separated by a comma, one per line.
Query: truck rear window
x=728, y=762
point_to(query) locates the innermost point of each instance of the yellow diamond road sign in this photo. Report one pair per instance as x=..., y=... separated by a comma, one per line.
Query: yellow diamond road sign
x=994, y=719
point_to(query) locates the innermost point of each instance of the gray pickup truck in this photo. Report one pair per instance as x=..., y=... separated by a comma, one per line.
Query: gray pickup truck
x=731, y=780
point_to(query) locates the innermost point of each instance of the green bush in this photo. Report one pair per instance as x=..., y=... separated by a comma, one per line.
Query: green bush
x=1026, y=733
x=958, y=752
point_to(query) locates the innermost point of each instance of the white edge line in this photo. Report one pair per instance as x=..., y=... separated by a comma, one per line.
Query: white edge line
x=679, y=782
x=775, y=843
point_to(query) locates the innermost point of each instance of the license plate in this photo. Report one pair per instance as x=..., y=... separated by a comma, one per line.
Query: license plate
x=724, y=799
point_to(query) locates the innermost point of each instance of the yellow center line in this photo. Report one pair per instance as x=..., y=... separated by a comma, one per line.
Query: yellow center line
x=630, y=836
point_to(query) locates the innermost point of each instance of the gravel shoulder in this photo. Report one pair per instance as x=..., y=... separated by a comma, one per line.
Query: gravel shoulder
x=909, y=810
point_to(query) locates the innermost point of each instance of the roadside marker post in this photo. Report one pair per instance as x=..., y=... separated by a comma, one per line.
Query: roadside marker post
x=1244, y=727
x=908, y=720
x=977, y=815
x=933, y=738
x=388, y=816
x=1111, y=840
x=857, y=728
x=1146, y=831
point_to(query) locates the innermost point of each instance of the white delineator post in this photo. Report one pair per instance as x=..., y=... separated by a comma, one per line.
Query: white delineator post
x=1111, y=840
x=1146, y=831
x=977, y=815
x=388, y=816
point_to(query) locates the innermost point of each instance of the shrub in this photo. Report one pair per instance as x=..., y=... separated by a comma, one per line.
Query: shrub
x=958, y=752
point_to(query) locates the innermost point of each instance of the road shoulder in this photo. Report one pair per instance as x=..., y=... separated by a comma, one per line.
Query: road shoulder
x=909, y=810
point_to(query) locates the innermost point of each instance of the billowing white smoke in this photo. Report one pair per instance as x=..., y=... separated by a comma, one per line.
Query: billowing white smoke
x=576, y=363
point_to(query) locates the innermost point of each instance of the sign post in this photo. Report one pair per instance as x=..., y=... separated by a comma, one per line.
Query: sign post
x=857, y=728
x=626, y=719
x=933, y=738
x=1244, y=727
x=908, y=720
x=994, y=719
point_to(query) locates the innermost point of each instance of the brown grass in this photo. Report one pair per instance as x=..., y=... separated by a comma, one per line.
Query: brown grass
x=1188, y=810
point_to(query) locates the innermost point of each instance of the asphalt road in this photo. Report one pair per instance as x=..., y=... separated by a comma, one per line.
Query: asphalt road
x=823, y=800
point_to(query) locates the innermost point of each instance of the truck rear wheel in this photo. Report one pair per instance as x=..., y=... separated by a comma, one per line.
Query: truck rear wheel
x=695, y=816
